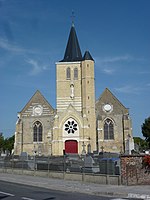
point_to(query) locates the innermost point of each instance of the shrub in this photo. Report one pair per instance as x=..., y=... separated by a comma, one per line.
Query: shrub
x=146, y=163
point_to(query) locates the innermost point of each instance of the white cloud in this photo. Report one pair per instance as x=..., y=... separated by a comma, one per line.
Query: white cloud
x=14, y=48
x=107, y=60
x=107, y=64
x=144, y=72
x=37, y=67
x=108, y=71
x=128, y=89
x=116, y=59
x=4, y=44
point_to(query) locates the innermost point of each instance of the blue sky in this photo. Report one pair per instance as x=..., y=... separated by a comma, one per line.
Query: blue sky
x=33, y=37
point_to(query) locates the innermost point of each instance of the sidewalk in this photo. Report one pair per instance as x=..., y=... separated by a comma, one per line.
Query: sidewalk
x=141, y=192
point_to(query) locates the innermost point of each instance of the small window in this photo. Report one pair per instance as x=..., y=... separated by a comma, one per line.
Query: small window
x=37, y=132
x=68, y=73
x=108, y=130
x=75, y=73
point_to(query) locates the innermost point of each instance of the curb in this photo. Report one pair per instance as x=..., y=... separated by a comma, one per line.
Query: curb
x=123, y=195
x=138, y=196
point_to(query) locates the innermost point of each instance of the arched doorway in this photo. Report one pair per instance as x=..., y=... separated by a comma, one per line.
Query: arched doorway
x=71, y=146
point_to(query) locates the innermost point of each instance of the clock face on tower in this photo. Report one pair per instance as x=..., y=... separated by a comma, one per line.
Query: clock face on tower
x=107, y=107
x=37, y=110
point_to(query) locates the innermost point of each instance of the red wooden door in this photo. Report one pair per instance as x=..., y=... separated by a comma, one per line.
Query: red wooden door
x=71, y=146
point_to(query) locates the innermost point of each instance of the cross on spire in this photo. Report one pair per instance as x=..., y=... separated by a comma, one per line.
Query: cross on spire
x=72, y=52
x=72, y=17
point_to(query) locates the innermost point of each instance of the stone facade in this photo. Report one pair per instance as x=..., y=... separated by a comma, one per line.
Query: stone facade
x=76, y=103
x=78, y=125
x=110, y=110
x=36, y=110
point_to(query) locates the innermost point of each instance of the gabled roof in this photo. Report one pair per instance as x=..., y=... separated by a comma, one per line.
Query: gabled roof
x=37, y=99
x=87, y=56
x=73, y=52
x=108, y=98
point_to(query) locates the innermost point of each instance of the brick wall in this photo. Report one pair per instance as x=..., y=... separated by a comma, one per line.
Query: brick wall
x=132, y=172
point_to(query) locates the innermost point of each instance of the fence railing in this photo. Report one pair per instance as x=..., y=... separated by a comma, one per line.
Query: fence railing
x=74, y=163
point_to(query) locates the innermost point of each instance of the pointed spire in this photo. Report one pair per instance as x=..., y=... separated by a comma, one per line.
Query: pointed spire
x=87, y=56
x=73, y=52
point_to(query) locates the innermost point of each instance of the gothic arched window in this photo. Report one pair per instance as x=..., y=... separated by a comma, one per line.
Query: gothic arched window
x=108, y=130
x=68, y=73
x=76, y=73
x=37, y=132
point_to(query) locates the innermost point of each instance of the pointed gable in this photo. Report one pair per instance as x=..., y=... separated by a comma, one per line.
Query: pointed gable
x=73, y=52
x=70, y=111
x=107, y=98
x=37, y=105
x=87, y=56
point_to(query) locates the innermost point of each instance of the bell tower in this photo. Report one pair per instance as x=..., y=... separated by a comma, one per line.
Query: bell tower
x=74, y=127
x=68, y=76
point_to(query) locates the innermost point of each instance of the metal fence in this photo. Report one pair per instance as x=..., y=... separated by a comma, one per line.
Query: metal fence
x=95, y=164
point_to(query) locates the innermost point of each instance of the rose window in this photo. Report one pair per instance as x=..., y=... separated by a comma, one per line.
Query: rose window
x=71, y=127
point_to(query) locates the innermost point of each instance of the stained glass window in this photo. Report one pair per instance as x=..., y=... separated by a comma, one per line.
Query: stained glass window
x=71, y=127
x=108, y=130
x=37, y=132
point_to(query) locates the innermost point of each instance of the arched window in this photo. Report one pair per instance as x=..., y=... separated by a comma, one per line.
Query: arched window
x=68, y=73
x=76, y=73
x=37, y=132
x=108, y=130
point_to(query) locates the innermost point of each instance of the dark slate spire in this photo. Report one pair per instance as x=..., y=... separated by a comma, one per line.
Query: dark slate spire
x=87, y=56
x=73, y=52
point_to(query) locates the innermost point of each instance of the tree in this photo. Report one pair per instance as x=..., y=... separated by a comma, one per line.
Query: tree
x=142, y=144
x=1, y=142
x=6, y=144
x=9, y=143
x=146, y=130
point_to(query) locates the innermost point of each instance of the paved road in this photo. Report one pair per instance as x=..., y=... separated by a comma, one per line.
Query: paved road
x=122, y=192
x=13, y=191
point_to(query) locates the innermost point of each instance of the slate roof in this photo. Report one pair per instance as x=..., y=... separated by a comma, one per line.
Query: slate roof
x=87, y=56
x=73, y=52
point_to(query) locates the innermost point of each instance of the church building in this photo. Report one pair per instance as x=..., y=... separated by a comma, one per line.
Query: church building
x=79, y=124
